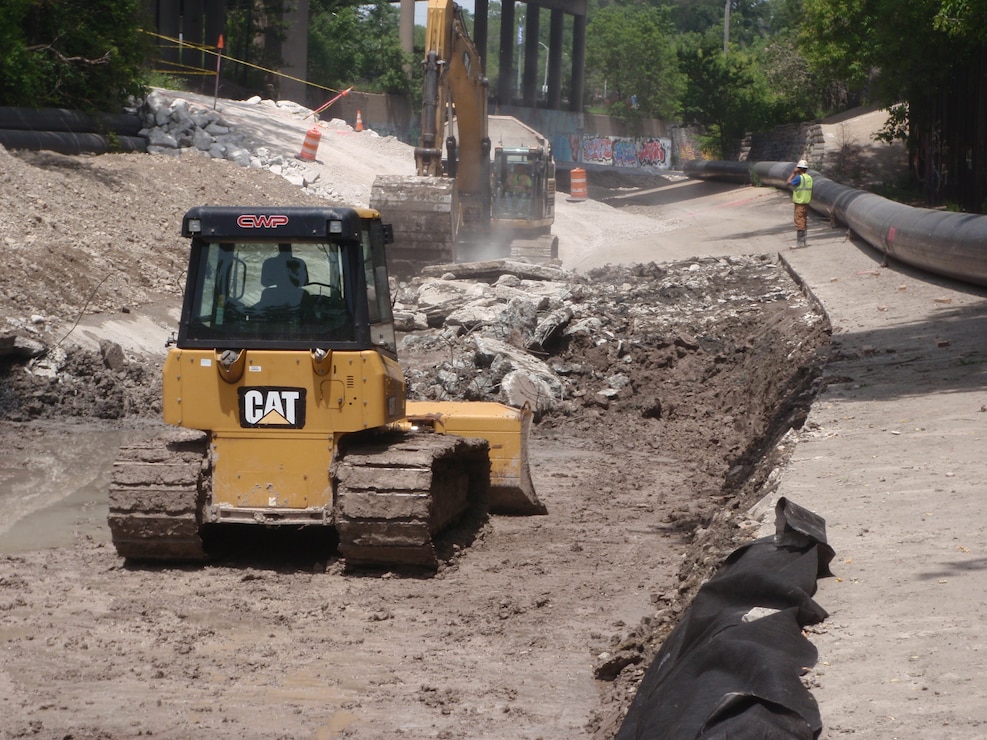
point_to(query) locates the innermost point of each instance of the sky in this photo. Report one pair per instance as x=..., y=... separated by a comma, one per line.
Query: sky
x=421, y=10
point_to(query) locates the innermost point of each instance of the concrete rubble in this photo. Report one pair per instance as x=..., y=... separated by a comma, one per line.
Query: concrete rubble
x=502, y=337
x=175, y=127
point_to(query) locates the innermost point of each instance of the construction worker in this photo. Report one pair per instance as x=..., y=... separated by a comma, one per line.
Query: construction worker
x=518, y=187
x=801, y=184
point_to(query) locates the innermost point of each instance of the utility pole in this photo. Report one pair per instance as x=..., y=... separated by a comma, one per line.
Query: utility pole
x=726, y=28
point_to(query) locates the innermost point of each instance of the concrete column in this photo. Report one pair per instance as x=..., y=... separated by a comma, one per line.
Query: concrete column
x=505, y=84
x=556, y=33
x=529, y=81
x=406, y=27
x=481, y=23
x=294, y=51
x=578, y=63
x=168, y=25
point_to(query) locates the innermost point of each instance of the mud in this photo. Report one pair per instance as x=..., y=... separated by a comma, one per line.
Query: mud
x=540, y=628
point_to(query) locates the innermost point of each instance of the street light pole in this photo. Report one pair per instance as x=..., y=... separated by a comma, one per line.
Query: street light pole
x=544, y=84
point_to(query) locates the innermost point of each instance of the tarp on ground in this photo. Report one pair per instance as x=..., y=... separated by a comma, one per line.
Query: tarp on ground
x=732, y=666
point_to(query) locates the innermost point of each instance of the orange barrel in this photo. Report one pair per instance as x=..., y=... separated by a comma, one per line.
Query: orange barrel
x=310, y=146
x=578, y=187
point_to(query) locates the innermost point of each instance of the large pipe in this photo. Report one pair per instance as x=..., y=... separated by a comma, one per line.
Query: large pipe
x=65, y=142
x=950, y=244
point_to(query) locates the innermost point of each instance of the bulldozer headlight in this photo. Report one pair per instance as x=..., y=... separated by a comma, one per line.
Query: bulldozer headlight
x=195, y=226
x=335, y=227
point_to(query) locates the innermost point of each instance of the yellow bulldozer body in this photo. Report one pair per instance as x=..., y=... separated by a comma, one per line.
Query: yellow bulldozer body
x=276, y=420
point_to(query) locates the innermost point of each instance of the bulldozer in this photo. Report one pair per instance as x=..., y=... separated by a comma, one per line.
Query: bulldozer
x=289, y=408
x=477, y=200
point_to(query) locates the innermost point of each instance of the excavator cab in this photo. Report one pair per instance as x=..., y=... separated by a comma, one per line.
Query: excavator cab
x=523, y=186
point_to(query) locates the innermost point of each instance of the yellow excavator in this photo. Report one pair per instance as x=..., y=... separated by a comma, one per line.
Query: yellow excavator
x=466, y=205
x=290, y=408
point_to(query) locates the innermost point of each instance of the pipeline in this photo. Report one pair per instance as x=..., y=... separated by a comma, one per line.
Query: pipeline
x=70, y=132
x=953, y=245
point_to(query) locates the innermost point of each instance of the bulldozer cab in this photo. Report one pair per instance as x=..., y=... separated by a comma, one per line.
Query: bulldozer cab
x=286, y=278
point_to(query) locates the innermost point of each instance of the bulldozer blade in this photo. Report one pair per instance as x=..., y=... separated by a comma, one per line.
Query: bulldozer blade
x=506, y=430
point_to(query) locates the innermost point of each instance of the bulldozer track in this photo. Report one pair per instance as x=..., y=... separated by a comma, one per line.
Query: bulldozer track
x=156, y=497
x=395, y=497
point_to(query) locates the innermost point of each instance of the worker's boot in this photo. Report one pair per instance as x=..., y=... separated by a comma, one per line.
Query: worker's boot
x=800, y=238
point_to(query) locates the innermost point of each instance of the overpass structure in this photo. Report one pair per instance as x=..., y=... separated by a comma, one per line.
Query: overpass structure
x=201, y=22
x=524, y=89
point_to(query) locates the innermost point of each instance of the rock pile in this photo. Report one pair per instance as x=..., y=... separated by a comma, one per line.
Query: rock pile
x=521, y=333
x=174, y=126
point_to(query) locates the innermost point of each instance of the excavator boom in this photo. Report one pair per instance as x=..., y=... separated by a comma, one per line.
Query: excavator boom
x=449, y=212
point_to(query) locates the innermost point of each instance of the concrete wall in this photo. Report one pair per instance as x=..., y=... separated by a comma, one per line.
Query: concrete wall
x=592, y=142
x=788, y=143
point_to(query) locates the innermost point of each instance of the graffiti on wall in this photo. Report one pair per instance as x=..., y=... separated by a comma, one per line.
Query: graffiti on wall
x=654, y=153
x=565, y=148
x=596, y=150
x=650, y=153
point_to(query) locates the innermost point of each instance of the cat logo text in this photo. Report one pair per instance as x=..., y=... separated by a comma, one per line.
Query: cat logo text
x=271, y=406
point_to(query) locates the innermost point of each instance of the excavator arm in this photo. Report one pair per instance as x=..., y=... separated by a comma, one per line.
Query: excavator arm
x=455, y=93
x=458, y=207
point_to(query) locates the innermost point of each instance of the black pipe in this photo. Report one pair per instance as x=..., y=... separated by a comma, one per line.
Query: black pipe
x=60, y=119
x=953, y=245
x=64, y=142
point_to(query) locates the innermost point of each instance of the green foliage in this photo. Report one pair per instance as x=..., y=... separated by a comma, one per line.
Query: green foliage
x=727, y=94
x=632, y=49
x=81, y=54
x=254, y=34
x=963, y=19
x=896, y=127
x=357, y=46
x=893, y=50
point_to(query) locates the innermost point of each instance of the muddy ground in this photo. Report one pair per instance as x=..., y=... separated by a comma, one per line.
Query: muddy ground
x=540, y=629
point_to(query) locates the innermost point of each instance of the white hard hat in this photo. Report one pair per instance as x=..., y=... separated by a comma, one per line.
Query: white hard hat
x=802, y=165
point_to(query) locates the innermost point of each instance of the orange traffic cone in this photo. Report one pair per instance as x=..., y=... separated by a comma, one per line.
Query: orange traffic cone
x=310, y=146
x=359, y=121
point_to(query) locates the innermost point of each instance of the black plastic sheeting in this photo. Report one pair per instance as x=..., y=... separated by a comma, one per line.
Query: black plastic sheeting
x=69, y=131
x=732, y=666
x=950, y=244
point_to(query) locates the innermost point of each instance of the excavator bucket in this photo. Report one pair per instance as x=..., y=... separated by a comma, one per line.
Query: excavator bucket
x=419, y=210
x=506, y=430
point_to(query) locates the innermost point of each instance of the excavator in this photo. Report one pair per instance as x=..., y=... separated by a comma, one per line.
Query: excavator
x=289, y=407
x=467, y=205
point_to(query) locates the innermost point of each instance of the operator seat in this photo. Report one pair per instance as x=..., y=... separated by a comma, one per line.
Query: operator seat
x=282, y=277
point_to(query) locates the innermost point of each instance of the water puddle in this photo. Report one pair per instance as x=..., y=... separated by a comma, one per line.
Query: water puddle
x=54, y=479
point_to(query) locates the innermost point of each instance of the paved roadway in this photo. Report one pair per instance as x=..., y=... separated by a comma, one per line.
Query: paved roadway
x=892, y=456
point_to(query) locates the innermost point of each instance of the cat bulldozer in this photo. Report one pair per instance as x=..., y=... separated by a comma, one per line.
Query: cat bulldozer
x=491, y=193
x=290, y=408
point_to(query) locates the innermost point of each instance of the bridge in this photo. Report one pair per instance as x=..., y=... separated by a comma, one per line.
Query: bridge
x=200, y=22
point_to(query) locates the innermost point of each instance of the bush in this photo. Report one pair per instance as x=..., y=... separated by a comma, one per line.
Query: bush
x=80, y=54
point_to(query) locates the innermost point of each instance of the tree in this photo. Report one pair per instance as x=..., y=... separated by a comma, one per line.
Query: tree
x=352, y=44
x=631, y=49
x=747, y=89
x=927, y=58
x=81, y=54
